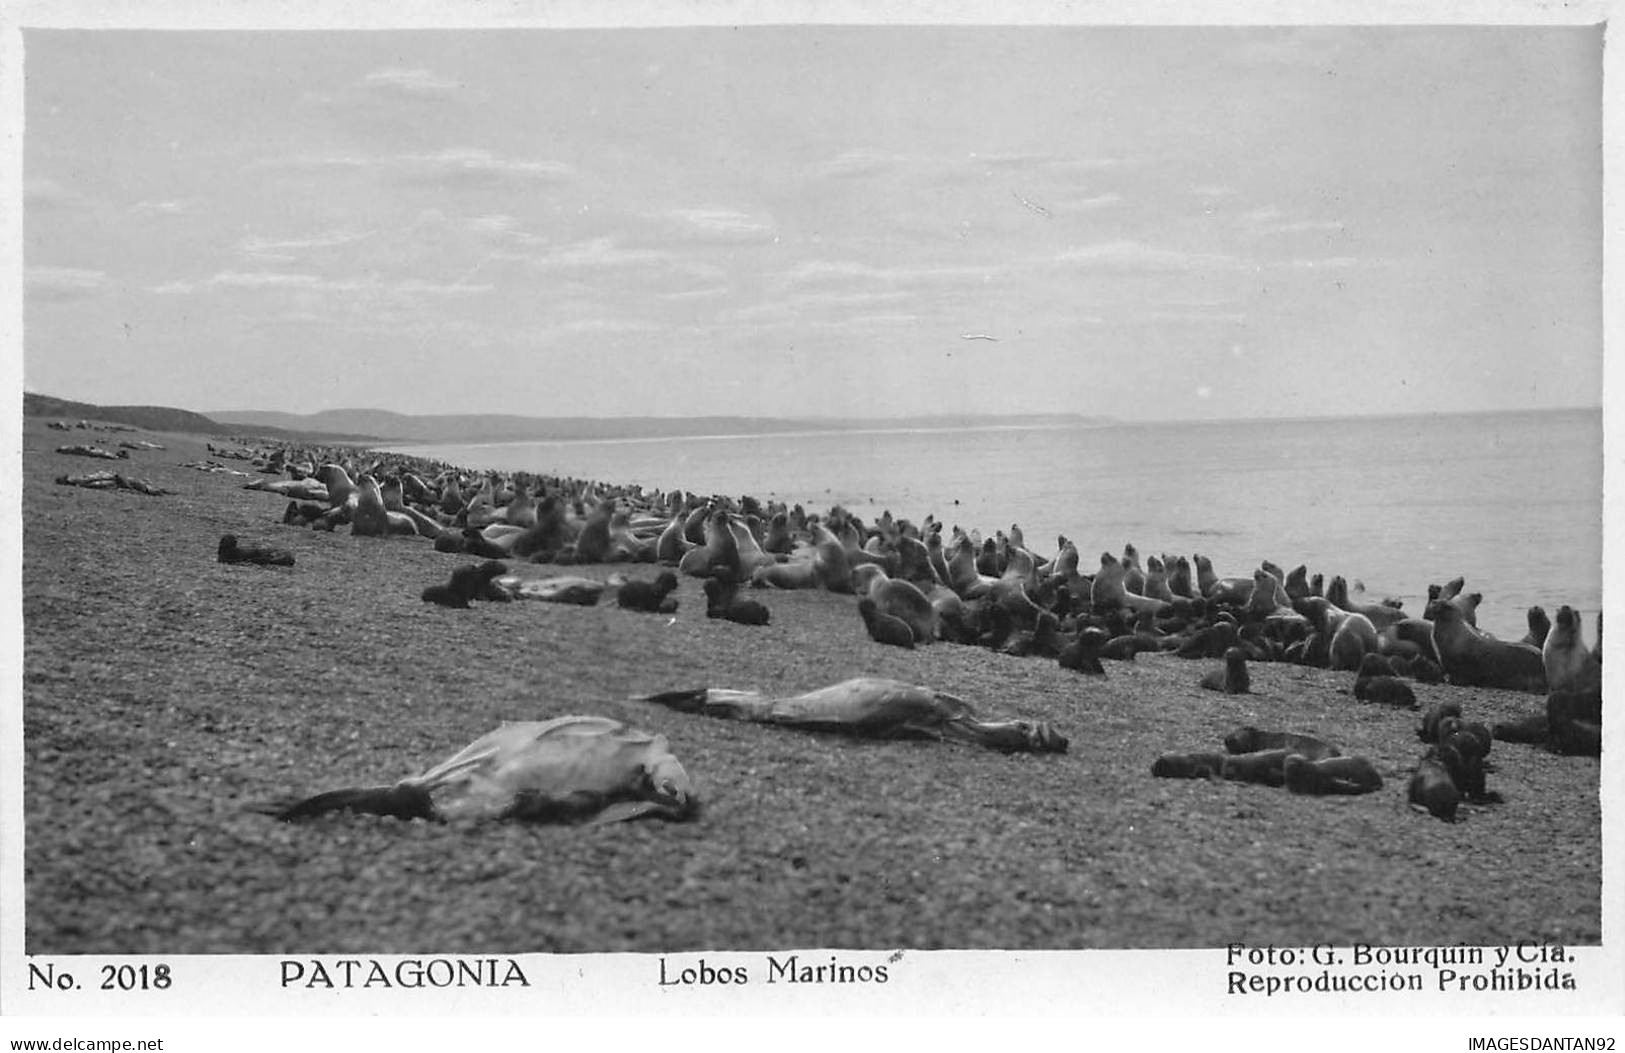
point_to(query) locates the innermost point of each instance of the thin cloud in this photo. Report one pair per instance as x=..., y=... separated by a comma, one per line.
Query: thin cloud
x=278, y=248
x=63, y=283
x=452, y=164
x=1137, y=256
x=596, y=253
x=1318, y=226
x=421, y=83
x=166, y=208
x=48, y=193
x=720, y=221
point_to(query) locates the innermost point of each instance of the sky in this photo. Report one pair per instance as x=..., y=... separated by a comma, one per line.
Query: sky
x=1145, y=222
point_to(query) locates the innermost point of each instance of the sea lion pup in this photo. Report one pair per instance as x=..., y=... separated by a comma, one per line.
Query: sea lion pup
x=1188, y=766
x=1210, y=642
x=1263, y=766
x=1233, y=678
x=1428, y=729
x=1108, y=589
x=1568, y=664
x=1385, y=690
x=1332, y=775
x=233, y=551
x=897, y=599
x=650, y=596
x=1082, y=655
x=885, y=628
x=468, y=582
x=720, y=602
x=1472, y=659
x=1249, y=739
x=869, y=706
x=573, y=769
x=1540, y=626
x=1432, y=789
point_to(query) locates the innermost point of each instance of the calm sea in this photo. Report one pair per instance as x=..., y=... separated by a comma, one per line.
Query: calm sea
x=1513, y=501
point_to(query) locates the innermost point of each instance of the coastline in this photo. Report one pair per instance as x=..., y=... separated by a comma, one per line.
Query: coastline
x=229, y=685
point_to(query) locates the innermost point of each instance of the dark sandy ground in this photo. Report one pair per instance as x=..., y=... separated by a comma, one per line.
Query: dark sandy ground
x=164, y=691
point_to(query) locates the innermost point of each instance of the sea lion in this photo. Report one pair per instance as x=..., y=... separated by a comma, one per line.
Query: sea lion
x=570, y=769
x=1569, y=666
x=885, y=628
x=796, y=574
x=593, y=542
x=1188, y=766
x=1210, y=642
x=1432, y=789
x=720, y=602
x=672, y=546
x=1540, y=626
x=468, y=582
x=1352, y=638
x=293, y=489
x=1330, y=775
x=1574, y=723
x=1082, y=655
x=1472, y=659
x=1233, y=678
x=1379, y=615
x=1108, y=589
x=575, y=591
x=1262, y=766
x=231, y=550
x=1385, y=690
x=869, y=706
x=1249, y=739
x=1428, y=729
x=650, y=596
x=897, y=599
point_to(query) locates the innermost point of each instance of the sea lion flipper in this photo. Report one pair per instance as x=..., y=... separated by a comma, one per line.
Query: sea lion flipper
x=399, y=801
x=682, y=701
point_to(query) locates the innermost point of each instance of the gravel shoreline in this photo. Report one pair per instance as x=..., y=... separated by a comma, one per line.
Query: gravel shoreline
x=164, y=692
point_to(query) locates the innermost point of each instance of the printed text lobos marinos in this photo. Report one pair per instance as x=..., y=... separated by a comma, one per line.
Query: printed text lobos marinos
x=791, y=968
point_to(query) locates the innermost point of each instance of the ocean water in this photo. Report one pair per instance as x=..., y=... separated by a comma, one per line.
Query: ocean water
x=1511, y=501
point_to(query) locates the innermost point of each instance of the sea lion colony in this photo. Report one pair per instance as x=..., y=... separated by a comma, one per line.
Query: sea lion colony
x=919, y=584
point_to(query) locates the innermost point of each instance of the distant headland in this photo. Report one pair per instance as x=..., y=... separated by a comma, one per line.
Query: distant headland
x=370, y=425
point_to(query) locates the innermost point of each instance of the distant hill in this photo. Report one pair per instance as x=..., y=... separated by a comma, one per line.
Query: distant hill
x=153, y=418
x=166, y=418
x=459, y=428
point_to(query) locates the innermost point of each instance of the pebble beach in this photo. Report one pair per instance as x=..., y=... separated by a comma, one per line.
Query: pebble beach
x=165, y=693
